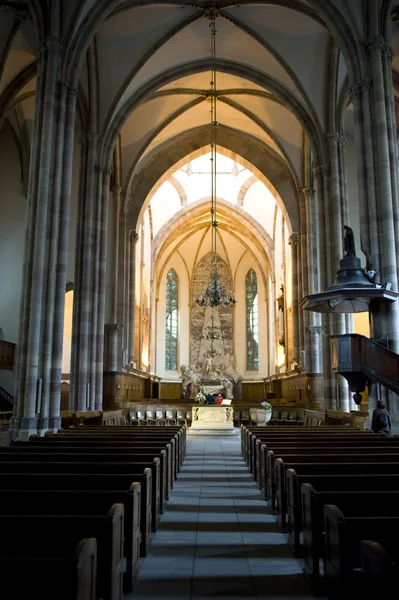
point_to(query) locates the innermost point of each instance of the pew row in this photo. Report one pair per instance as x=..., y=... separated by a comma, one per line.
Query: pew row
x=77, y=572
x=54, y=536
x=84, y=502
x=90, y=481
x=352, y=482
x=343, y=537
x=351, y=503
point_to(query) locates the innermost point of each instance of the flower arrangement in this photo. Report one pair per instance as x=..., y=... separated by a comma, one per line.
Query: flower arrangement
x=266, y=405
x=200, y=398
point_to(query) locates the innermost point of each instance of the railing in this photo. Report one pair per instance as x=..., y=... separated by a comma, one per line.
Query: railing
x=7, y=351
x=6, y=400
x=358, y=358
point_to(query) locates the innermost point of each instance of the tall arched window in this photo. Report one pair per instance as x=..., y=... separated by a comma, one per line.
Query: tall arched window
x=171, y=321
x=251, y=297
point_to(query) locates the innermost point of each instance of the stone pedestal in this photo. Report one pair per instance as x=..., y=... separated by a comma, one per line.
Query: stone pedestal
x=213, y=420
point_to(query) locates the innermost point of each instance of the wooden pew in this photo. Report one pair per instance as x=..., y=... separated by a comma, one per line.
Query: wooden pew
x=84, y=502
x=248, y=432
x=327, y=482
x=343, y=537
x=57, y=535
x=109, y=437
x=355, y=451
x=351, y=503
x=108, y=454
x=367, y=463
x=90, y=481
x=336, y=440
x=77, y=571
x=256, y=440
x=147, y=431
x=380, y=569
x=62, y=454
x=262, y=448
x=93, y=468
x=121, y=445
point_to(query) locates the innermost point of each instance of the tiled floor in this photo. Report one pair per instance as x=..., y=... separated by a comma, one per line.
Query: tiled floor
x=216, y=538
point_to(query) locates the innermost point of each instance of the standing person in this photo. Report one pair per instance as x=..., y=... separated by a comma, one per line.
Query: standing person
x=381, y=420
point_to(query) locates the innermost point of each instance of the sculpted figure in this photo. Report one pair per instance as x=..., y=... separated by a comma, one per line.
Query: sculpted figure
x=229, y=367
x=349, y=242
x=189, y=375
x=228, y=386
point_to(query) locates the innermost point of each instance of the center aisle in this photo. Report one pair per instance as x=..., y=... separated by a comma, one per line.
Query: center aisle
x=216, y=537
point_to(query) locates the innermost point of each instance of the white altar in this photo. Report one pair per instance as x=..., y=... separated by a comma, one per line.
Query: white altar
x=213, y=420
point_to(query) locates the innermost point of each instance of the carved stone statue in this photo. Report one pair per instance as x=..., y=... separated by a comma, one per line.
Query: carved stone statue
x=190, y=376
x=228, y=367
x=228, y=386
x=349, y=242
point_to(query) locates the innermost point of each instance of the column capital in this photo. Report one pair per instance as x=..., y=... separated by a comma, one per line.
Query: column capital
x=388, y=51
x=117, y=189
x=21, y=12
x=113, y=327
x=134, y=237
x=321, y=170
x=314, y=330
x=363, y=87
x=336, y=139
x=102, y=169
x=308, y=193
x=375, y=43
x=293, y=239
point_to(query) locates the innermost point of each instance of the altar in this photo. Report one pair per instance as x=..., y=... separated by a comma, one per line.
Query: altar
x=213, y=420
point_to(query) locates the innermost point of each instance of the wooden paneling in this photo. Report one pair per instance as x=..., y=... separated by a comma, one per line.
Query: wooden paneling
x=7, y=351
x=253, y=390
x=170, y=390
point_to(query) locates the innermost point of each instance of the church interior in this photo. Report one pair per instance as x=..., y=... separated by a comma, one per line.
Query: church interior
x=199, y=200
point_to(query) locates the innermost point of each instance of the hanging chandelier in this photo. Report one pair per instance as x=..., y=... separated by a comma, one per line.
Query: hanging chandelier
x=215, y=294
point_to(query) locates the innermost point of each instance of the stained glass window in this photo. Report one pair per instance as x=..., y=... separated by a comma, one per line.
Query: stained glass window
x=251, y=291
x=171, y=321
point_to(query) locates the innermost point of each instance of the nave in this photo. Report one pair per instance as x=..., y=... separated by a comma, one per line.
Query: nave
x=216, y=536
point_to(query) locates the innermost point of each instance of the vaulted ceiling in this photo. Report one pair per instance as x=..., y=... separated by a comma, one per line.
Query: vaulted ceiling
x=147, y=70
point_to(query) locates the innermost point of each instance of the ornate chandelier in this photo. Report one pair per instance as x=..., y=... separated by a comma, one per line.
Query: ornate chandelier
x=215, y=294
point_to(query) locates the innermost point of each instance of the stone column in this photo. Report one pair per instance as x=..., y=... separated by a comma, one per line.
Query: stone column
x=321, y=174
x=122, y=283
x=293, y=242
x=112, y=347
x=336, y=141
x=313, y=350
x=102, y=266
x=33, y=317
x=133, y=239
x=64, y=191
x=386, y=214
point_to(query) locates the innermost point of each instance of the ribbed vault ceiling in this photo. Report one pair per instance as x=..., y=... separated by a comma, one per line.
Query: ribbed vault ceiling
x=150, y=62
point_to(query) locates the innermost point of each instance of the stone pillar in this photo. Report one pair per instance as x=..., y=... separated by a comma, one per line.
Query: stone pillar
x=102, y=266
x=293, y=242
x=386, y=215
x=63, y=191
x=83, y=298
x=112, y=349
x=336, y=141
x=321, y=174
x=133, y=239
x=33, y=314
x=122, y=283
x=313, y=350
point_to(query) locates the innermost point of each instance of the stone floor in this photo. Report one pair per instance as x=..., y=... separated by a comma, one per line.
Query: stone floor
x=216, y=538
